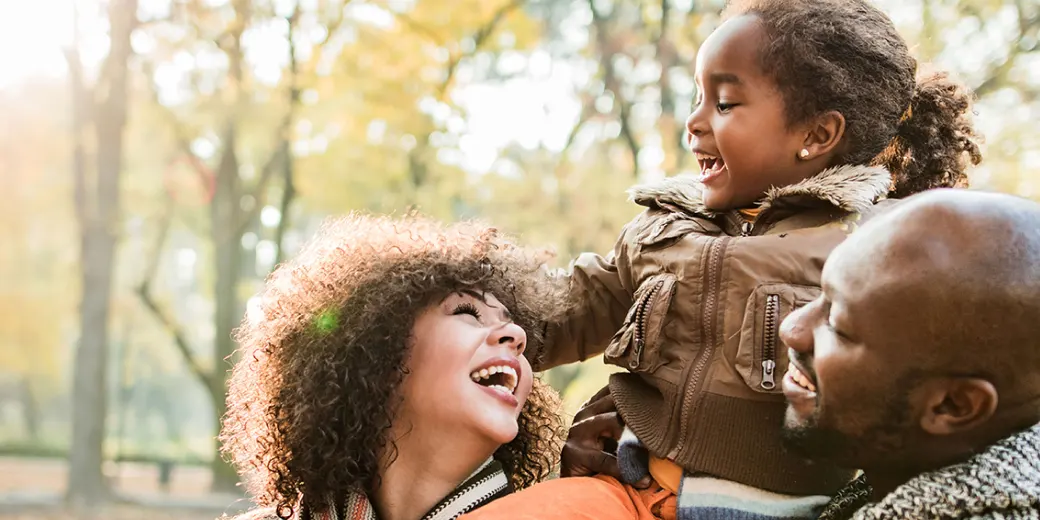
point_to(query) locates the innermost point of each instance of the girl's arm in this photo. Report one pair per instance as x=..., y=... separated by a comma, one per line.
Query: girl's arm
x=599, y=296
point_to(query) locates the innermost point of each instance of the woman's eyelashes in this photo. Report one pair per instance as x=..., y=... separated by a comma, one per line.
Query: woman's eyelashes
x=467, y=308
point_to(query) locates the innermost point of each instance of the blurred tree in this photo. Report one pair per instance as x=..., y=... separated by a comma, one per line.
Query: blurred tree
x=37, y=266
x=99, y=119
x=233, y=205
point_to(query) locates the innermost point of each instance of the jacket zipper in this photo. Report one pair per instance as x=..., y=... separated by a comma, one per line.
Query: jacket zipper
x=769, y=341
x=641, y=312
x=712, y=283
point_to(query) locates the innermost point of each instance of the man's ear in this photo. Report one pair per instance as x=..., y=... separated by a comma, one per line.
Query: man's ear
x=953, y=405
x=824, y=133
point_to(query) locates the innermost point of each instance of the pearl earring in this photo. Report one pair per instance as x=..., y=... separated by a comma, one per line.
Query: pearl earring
x=804, y=154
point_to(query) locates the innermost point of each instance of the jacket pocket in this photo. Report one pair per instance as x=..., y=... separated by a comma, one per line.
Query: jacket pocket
x=761, y=356
x=636, y=345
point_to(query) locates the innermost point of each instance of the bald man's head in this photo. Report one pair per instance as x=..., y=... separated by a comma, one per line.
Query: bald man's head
x=924, y=344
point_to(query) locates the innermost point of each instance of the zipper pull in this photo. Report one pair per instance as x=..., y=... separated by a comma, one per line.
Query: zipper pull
x=634, y=363
x=745, y=229
x=768, y=366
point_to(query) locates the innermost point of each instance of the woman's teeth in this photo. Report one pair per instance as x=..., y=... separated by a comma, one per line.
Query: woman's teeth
x=501, y=377
x=801, y=379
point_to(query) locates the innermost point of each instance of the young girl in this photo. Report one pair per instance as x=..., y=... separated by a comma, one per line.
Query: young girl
x=809, y=114
x=383, y=376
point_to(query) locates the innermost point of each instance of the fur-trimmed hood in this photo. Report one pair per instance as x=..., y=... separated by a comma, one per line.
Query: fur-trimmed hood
x=851, y=188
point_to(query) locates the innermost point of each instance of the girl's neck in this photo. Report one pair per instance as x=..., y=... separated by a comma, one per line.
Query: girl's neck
x=428, y=467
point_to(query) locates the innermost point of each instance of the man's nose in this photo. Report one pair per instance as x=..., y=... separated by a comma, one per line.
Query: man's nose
x=509, y=334
x=796, y=330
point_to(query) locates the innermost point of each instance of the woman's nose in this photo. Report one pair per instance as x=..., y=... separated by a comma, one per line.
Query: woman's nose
x=509, y=334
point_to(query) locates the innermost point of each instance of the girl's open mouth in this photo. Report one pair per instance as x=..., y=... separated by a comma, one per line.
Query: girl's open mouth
x=712, y=166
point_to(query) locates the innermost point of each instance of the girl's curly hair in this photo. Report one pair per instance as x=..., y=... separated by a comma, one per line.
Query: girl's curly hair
x=312, y=399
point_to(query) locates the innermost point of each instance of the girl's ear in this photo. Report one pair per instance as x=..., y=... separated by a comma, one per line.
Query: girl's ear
x=824, y=134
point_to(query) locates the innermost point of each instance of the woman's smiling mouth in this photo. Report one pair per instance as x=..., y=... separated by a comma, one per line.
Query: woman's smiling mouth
x=497, y=377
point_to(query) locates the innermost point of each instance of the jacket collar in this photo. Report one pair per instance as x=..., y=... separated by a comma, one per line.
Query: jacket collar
x=1004, y=478
x=852, y=188
x=484, y=485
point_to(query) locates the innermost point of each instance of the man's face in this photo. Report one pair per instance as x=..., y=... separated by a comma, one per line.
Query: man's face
x=853, y=378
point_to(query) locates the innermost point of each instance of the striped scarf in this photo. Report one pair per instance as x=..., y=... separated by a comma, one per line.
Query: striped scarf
x=487, y=483
x=702, y=497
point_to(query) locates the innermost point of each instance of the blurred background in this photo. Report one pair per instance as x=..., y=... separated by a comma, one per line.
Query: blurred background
x=161, y=156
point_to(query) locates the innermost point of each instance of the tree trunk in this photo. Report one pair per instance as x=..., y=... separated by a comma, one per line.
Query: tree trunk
x=285, y=206
x=288, y=174
x=86, y=486
x=226, y=229
x=30, y=409
x=98, y=207
x=225, y=478
x=227, y=252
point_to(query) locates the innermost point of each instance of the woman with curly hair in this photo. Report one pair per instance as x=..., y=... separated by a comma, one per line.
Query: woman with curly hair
x=382, y=375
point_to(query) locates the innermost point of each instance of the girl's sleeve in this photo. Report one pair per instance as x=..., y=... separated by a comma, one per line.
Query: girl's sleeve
x=599, y=295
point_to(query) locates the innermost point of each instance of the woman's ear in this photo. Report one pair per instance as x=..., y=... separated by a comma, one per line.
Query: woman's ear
x=824, y=133
x=954, y=405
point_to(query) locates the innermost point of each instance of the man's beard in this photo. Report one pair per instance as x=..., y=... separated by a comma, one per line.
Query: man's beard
x=885, y=437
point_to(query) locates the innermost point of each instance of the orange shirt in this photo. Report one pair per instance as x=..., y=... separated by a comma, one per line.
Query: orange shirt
x=667, y=473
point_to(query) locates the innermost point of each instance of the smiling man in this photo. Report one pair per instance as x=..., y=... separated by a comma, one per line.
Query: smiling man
x=920, y=361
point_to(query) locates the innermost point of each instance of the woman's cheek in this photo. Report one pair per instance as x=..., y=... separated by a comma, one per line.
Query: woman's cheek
x=523, y=390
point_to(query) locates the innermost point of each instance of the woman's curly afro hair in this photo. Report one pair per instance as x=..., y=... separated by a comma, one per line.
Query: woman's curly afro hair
x=311, y=400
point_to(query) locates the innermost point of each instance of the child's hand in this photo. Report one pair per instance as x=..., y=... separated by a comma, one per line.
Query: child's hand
x=592, y=440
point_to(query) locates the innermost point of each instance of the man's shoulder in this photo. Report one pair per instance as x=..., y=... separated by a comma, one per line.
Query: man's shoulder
x=1001, y=482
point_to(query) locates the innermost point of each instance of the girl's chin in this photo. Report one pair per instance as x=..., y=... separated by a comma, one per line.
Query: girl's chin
x=716, y=200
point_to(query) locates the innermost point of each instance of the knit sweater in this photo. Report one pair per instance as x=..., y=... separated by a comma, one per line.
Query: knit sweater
x=1002, y=482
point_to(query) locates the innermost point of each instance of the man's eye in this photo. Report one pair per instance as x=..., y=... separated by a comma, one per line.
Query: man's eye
x=466, y=308
x=840, y=334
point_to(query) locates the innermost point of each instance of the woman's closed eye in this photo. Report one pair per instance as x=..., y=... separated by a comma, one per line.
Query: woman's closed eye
x=466, y=308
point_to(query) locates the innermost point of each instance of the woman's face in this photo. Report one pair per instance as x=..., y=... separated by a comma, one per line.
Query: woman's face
x=466, y=373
